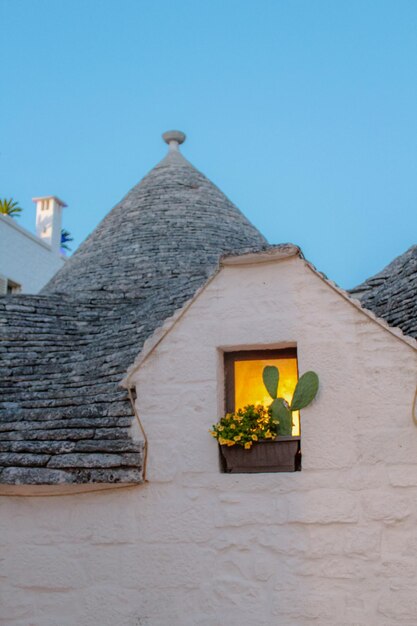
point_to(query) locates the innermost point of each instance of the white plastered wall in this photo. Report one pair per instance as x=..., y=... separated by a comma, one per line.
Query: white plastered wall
x=24, y=258
x=333, y=545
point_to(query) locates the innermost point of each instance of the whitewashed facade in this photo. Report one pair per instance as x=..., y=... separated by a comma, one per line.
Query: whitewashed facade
x=332, y=545
x=27, y=261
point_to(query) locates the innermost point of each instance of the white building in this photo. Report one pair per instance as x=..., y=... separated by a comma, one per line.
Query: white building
x=116, y=507
x=27, y=261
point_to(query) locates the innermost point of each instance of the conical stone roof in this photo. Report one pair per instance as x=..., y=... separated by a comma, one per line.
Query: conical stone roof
x=172, y=226
x=392, y=293
x=63, y=416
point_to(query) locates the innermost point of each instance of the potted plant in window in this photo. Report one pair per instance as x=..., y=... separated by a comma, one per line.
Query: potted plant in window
x=258, y=438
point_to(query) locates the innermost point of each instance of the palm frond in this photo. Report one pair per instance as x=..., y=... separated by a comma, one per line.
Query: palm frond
x=10, y=207
x=65, y=238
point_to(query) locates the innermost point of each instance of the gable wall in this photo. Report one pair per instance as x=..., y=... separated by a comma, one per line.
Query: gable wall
x=333, y=545
x=361, y=366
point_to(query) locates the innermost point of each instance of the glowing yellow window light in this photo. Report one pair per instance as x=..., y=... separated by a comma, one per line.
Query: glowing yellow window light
x=250, y=389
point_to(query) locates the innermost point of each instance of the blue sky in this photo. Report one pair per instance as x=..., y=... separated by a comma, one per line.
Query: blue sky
x=303, y=112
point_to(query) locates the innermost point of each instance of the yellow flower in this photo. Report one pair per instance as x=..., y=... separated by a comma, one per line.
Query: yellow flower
x=255, y=437
x=220, y=428
x=248, y=445
x=226, y=442
x=237, y=438
x=233, y=426
x=268, y=434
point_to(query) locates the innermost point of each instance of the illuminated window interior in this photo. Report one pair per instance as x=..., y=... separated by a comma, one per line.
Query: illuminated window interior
x=244, y=384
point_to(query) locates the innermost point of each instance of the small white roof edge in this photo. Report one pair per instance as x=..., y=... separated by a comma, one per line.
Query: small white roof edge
x=273, y=253
x=57, y=200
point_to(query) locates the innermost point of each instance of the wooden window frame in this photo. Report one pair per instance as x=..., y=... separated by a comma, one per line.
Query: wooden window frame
x=230, y=359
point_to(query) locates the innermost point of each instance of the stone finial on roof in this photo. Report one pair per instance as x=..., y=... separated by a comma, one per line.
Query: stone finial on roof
x=173, y=138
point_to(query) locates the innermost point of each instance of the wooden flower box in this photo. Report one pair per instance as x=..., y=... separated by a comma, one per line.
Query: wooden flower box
x=276, y=455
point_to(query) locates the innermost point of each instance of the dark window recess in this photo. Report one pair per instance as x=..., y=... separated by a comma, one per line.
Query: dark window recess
x=13, y=287
x=243, y=386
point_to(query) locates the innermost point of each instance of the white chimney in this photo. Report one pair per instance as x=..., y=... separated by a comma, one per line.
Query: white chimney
x=49, y=220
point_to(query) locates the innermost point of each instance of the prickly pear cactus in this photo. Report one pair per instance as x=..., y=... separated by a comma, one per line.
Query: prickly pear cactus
x=305, y=391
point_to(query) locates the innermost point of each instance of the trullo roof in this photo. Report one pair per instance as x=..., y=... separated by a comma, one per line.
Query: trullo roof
x=168, y=230
x=63, y=416
x=392, y=293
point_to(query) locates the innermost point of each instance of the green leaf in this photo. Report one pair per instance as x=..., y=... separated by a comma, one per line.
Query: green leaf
x=270, y=376
x=281, y=412
x=305, y=391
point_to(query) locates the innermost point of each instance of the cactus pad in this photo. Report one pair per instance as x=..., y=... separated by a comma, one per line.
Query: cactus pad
x=270, y=376
x=282, y=413
x=305, y=391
